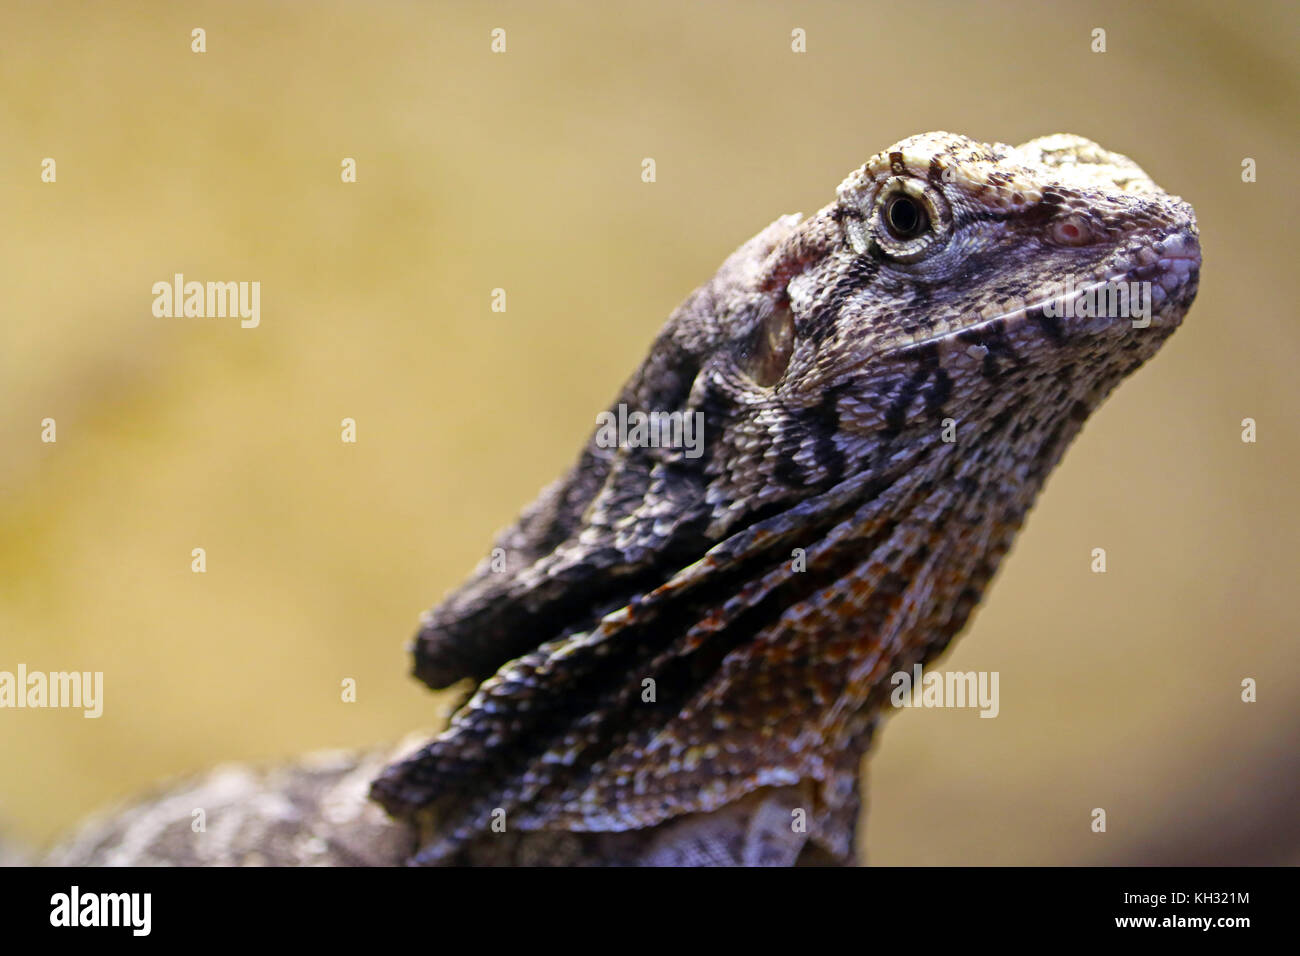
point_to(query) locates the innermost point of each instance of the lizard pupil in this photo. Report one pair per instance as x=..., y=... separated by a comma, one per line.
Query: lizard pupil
x=905, y=218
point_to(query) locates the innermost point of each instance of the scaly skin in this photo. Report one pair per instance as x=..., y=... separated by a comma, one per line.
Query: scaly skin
x=883, y=394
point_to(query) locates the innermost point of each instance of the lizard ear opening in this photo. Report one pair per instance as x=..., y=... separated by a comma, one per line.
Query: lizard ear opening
x=768, y=355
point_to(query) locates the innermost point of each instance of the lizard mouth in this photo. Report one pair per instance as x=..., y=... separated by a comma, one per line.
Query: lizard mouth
x=1156, y=274
x=1144, y=284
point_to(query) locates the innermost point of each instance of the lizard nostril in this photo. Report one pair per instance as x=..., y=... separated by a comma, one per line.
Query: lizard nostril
x=1071, y=231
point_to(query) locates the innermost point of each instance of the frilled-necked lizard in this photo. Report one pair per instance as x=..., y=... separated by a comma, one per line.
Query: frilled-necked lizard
x=679, y=657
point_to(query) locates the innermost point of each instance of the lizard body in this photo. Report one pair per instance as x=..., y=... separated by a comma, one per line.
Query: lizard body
x=678, y=659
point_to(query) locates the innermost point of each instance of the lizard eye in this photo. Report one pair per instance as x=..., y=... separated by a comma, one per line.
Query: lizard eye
x=905, y=221
x=905, y=217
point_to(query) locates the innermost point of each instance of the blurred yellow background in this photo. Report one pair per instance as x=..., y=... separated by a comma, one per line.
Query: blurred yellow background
x=522, y=171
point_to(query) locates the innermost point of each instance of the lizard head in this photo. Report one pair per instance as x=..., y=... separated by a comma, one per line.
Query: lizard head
x=1004, y=230
x=988, y=265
